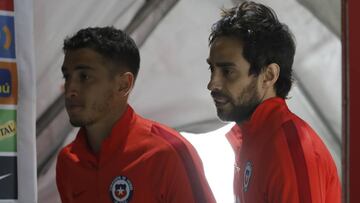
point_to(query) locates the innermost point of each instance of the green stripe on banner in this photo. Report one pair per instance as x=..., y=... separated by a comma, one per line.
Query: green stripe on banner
x=7, y=130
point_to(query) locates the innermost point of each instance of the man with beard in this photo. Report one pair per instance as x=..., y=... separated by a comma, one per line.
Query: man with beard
x=279, y=158
x=118, y=156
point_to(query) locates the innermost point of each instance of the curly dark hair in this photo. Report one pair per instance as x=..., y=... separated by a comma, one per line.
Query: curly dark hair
x=265, y=40
x=111, y=43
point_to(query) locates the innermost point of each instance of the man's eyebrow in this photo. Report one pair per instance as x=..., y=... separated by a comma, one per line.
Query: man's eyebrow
x=221, y=64
x=225, y=64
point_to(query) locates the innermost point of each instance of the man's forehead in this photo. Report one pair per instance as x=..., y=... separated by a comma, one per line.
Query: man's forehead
x=82, y=53
x=79, y=66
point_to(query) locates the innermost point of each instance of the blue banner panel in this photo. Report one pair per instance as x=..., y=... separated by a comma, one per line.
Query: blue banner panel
x=7, y=37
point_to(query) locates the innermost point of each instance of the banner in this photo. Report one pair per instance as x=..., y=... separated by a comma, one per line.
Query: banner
x=17, y=103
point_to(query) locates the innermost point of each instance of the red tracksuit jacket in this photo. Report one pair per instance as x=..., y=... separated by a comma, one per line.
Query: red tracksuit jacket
x=279, y=158
x=140, y=162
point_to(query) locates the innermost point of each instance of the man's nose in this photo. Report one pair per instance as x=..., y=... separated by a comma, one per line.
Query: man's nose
x=215, y=82
x=71, y=89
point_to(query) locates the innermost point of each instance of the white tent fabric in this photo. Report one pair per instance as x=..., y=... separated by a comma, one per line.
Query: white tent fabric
x=171, y=86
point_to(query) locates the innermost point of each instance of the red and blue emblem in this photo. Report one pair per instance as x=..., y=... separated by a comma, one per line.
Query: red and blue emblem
x=121, y=190
x=247, y=175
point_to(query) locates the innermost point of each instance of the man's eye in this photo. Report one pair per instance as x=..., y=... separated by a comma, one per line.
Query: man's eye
x=226, y=72
x=84, y=76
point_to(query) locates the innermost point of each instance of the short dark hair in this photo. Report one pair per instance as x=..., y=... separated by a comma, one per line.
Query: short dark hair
x=111, y=43
x=265, y=40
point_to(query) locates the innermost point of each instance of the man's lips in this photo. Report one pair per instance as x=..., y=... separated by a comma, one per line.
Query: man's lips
x=72, y=106
x=219, y=98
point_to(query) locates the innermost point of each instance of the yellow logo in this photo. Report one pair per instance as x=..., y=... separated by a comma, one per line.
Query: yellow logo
x=7, y=129
x=8, y=38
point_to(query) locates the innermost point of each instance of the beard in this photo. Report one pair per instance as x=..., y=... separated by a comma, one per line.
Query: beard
x=88, y=118
x=90, y=114
x=243, y=106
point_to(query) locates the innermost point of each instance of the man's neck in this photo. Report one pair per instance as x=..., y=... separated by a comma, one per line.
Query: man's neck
x=98, y=132
x=241, y=123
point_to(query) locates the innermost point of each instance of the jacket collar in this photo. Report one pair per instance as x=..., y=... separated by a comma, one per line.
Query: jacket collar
x=114, y=142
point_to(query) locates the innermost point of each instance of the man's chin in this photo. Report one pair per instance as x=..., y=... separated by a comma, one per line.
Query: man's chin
x=232, y=116
x=224, y=116
x=76, y=123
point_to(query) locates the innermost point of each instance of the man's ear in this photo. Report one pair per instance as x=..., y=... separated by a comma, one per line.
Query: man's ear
x=125, y=83
x=270, y=75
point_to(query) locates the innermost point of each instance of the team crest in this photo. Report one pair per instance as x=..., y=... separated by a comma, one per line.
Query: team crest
x=121, y=190
x=247, y=175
